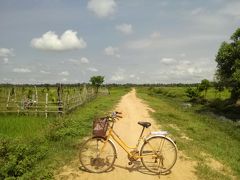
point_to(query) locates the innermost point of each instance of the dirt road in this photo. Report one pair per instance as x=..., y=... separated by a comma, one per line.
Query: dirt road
x=133, y=110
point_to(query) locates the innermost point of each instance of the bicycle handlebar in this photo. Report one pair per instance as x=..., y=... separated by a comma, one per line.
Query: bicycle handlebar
x=115, y=115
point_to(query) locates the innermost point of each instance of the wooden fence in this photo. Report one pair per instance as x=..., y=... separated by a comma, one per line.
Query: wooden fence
x=65, y=103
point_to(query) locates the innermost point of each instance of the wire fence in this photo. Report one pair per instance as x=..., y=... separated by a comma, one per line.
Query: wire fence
x=61, y=103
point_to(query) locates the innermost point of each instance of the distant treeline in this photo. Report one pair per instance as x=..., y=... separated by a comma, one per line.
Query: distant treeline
x=107, y=85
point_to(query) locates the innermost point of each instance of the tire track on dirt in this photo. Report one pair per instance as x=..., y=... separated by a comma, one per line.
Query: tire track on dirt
x=133, y=110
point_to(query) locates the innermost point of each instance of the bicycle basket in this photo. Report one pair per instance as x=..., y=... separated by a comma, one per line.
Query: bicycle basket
x=100, y=127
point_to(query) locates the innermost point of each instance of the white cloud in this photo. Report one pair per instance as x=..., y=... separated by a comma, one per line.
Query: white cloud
x=168, y=60
x=112, y=51
x=51, y=41
x=125, y=28
x=93, y=69
x=102, y=8
x=232, y=9
x=22, y=70
x=4, y=52
x=118, y=75
x=84, y=60
x=139, y=44
x=44, y=72
x=64, y=73
x=182, y=55
x=197, y=11
x=132, y=75
x=155, y=35
x=5, y=60
x=64, y=80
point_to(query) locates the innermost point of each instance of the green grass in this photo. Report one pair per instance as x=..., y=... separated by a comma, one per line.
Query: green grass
x=210, y=135
x=23, y=126
x=53, y=142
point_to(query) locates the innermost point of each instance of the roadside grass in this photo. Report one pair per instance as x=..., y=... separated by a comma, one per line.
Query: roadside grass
x=53, y=146
x=23, y=126
x=207, y=134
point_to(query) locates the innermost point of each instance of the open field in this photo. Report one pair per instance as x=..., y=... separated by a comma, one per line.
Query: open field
x=202, y=136
x=45, y=99
x=51, y=142
x=209, y=144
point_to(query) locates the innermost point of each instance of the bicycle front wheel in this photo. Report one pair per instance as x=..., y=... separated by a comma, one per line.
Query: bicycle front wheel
x=159, y=154
x=97, y=155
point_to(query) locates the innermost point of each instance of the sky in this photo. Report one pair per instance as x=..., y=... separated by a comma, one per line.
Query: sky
x=126, y=41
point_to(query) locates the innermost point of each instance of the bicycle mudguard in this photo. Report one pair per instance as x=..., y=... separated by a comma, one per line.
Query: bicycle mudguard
x=163, y=133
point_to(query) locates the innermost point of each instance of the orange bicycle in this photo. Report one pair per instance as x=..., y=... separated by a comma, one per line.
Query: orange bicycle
x=158, y=153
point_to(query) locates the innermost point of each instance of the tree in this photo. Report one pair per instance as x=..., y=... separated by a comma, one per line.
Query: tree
x=204, y=86
x=228, y=65
x=97, y=81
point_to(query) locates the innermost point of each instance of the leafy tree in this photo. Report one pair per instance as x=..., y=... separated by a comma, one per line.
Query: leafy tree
x=228, y=64
x=97, y=81
x=193, y=93
x=204, y=86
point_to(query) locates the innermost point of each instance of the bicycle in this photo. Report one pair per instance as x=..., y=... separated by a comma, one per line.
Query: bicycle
x=158, y=152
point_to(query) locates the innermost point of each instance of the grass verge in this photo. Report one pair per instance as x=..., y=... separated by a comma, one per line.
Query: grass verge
x=53, y=145
x=206, y=134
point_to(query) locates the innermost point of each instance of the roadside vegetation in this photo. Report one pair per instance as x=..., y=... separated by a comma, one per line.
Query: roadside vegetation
x=202, y=135
x=33, y=147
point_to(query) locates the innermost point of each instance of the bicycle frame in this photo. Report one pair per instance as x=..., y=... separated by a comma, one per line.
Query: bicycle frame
x=112, y=134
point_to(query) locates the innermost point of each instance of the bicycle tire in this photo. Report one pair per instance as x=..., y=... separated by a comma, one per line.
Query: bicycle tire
x=162, y=158
x=92, y=160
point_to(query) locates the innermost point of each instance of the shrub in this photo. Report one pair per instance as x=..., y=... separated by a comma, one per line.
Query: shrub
x=17, y=159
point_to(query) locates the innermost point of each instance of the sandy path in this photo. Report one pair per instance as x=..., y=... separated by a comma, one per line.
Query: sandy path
x=133, y=110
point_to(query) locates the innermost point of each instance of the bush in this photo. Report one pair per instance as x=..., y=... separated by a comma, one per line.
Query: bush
x=18, y=159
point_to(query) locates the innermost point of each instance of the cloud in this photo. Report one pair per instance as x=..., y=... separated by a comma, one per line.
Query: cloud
x=22, y=70
x=4, y=52
x=102, y=8
x=64, y=73
x=83, y=60
x=125, y=28
x=132, y=75
x=92, y=69
x=139, y=44
x=155, y=35
x=119, y=75
x=64, y=80
x=52, y=42
x=44, y=72
x=112, y=51
x=197, y=11
x=168, y=60
x=231, y=9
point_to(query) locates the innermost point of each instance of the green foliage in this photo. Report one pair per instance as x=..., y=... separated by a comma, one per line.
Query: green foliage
x=207, y=134
x=97, y=81
x=32, y=147
x=228, y=67
x=204, y=86
x=18, y=158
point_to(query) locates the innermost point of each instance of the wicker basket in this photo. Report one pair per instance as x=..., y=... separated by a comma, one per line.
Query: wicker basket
x=100, y=127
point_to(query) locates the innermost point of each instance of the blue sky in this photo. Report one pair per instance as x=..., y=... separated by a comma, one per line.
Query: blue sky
x=137, y=41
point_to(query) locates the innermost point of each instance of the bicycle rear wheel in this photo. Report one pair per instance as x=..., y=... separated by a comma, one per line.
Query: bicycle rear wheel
x=159, y=154
x=97, y=155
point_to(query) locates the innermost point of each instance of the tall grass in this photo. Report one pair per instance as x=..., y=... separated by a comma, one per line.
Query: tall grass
x=209, y=134
x=23, y=126
x=50, y=143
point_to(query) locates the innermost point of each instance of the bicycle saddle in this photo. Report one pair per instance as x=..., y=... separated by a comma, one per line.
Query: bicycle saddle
x=144, y=124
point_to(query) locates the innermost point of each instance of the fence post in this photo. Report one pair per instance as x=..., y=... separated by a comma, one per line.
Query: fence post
x=15, y=101
x=59, y=93
x=36, y=100
x=8, y=98
x=46, y=106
